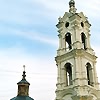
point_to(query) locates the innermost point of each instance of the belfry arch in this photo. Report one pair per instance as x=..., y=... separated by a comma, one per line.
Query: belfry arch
x=89, y=74
x=68, y=70
x=83, y=38
x=68, y=40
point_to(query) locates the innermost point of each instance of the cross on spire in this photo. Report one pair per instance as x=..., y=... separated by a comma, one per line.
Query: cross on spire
x=24, y=73
x=24, y=67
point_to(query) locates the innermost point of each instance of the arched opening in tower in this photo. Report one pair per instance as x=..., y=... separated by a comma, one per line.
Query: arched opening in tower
x=68, y=40
x=83, y=37
x=68, y=74
x=89, y=74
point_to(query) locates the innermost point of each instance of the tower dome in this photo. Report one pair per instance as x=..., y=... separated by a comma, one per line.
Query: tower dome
x=72, y=3
x=72, y=6
x=23, y=89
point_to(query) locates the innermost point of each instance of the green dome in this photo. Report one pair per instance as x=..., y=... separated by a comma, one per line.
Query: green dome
x=23, y=81
x=22, y=98
x=23, y=89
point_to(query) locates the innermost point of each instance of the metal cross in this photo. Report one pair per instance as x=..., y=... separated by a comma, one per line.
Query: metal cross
x=24, y=67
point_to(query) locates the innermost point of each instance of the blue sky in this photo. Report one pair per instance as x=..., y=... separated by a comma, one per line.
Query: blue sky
x=28, y=36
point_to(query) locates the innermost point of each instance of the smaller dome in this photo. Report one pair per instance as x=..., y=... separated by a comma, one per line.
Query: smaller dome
x=71, y=2
x=22, y=98
x=23, y=81
x=23, y=89
x=72, y=7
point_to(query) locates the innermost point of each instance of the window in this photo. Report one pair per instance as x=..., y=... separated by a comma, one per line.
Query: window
x=68, y=40
x=83, y=37
x=89, y=74
x=68, y=74
x=67, y=24
x=82, y=24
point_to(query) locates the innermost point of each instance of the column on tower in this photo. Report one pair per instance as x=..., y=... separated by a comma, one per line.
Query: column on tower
x=59, y=76
x=97, y=85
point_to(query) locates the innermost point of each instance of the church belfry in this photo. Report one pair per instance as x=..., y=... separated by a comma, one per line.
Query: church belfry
x=76, y=61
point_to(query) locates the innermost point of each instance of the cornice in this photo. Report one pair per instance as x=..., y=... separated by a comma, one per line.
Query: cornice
x=76, y=53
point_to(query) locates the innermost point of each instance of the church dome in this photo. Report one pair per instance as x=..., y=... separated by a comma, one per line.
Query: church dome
x=23, y=89
x=22, y=98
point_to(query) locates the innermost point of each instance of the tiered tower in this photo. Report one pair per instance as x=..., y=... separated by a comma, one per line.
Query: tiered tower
x=76, y=60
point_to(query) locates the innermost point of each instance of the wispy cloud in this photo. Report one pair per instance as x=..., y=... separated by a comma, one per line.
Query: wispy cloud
x=38, y=37
x=35, y=36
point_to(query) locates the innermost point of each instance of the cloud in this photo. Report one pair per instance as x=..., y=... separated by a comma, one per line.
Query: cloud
x=61, y=7
x=50, y=4
x=39, y=37
x=34, y=36
x=89, y=8
x=28, y=12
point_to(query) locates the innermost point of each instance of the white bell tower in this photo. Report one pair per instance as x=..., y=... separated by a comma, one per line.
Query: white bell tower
x=76, y=61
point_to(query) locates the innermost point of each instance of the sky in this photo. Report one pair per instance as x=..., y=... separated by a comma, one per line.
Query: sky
x=28, y=36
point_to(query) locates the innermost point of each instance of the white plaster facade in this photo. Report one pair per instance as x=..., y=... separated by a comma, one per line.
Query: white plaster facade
x=76, y=61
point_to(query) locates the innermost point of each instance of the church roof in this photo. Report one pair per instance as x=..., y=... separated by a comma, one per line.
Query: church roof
x=23, y=89
x=22, y=98
x=23, y=81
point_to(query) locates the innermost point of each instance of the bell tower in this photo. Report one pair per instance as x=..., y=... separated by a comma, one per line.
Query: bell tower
x=76, y=61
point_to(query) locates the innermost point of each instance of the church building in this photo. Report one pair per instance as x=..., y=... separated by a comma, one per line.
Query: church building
x=23, y=89
x=76, y=61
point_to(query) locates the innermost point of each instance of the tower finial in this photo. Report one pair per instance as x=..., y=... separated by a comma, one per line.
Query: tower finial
x=72, y=6
x=24, y=67
x=24, y=73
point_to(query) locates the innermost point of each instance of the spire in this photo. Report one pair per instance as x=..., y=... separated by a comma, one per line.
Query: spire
x=24, y=73
x=72, y=6
x=23, y=81
x=23, y=85
x=23, y=89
